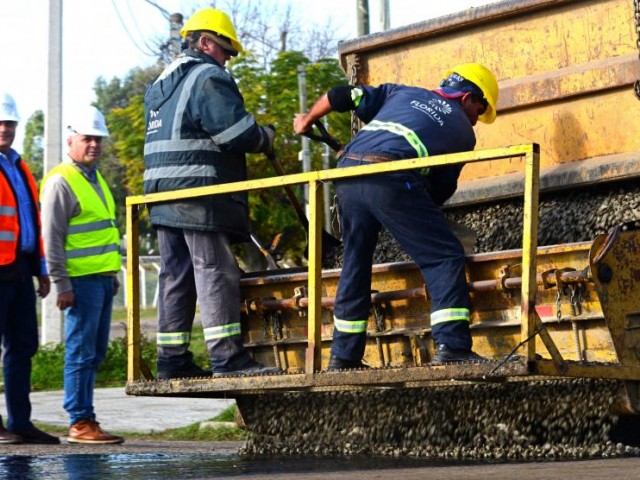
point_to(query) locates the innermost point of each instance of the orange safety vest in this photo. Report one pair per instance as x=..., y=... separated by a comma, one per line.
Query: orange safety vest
x=9, y=217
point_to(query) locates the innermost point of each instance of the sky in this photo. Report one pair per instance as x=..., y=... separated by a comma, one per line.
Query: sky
x=109, y=37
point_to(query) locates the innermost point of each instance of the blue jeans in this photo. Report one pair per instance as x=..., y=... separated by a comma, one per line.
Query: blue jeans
x=399, y=203
x=87, y=325
x=19, y=333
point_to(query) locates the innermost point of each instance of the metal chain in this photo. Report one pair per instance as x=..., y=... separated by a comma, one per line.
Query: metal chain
x=353, y=80
x=336, y=222
x=272, y=325
x=277, y=326
x=266, y=325
x=573, y=301
x=380, y=316
x=559, y=304
x=574, y=292
x=576, y=300
x=636, y=14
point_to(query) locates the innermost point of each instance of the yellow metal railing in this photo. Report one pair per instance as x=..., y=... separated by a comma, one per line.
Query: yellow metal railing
x=529, y=152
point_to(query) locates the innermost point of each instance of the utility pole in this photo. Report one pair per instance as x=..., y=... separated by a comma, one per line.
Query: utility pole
x=51, y=316
x=362, y=7
x=385, y=19
x=175, y=25
x=325, y=185
x=305, y=154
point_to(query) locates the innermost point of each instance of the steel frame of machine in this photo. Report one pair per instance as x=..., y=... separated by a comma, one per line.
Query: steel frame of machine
x=529, y=152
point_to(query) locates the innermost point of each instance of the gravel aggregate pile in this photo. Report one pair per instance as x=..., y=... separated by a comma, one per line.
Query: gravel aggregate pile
x=564, y=217
x=559, y=419
x=542, y=420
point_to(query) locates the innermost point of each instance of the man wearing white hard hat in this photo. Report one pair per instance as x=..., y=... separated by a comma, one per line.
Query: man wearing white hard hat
x=83, y=255
x=21, y=259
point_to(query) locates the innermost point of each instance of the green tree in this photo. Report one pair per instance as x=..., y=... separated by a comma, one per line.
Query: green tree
x=122, y=160
x=273, y=96
x=267, y=76
x=33, y=145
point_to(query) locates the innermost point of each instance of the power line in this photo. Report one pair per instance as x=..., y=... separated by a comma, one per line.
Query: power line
x=148, y=53
x=151, y=47
x=164, y=12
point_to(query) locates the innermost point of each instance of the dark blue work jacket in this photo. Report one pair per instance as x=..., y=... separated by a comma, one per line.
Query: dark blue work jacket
x=197, y=134
x=409, y=122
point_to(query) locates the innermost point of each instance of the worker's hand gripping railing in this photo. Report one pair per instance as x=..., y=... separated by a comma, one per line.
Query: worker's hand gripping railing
x=529, y=152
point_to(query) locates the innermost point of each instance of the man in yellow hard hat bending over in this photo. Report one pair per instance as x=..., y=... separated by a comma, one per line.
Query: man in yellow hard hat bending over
x=405, y=122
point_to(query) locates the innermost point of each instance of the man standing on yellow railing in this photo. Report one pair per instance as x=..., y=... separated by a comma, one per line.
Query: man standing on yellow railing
x=82, y=245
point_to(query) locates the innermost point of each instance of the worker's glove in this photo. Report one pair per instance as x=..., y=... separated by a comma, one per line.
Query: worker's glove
x=269, y=137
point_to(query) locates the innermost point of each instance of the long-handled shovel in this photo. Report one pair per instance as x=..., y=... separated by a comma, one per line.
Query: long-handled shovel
x=329, y=242
x=324, y=136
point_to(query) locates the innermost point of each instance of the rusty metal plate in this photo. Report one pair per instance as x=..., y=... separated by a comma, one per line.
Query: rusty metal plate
x=323, y=381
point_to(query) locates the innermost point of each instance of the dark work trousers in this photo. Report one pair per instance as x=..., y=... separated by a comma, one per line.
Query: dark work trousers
x=19, y=331
x=197, y=265
x=399, y=203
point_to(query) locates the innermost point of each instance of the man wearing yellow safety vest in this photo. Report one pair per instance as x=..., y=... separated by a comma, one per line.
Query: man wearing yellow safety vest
x=198, y=134
x=405, y=122
x=21, y=259
x=83, y=254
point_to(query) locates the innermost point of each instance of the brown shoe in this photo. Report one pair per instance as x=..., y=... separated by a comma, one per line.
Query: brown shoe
x=6, y=437
x=89, y=431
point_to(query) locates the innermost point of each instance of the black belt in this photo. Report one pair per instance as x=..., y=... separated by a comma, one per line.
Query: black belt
x=365, y=157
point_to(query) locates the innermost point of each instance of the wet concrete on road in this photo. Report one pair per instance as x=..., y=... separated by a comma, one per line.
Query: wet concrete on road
x=165, y=460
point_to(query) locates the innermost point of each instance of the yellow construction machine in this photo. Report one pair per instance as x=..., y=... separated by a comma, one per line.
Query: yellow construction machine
x=561, y=319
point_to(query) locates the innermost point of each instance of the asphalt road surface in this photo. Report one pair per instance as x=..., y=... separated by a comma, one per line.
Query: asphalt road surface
x=145, y=460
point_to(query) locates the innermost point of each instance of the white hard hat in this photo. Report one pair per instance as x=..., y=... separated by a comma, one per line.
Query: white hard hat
x=8, y=110
x=88, y=121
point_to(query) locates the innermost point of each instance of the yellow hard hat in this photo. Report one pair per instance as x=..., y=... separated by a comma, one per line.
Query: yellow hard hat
x=214, y=21
x=482, y=78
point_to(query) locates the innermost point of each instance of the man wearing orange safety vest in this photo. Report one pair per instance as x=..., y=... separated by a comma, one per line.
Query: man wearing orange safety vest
x=21, y=259
x=83, y=256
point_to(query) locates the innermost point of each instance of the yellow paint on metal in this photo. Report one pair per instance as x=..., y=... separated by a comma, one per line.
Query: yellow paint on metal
x=594, y=126
x=616, y=269
x=314, y=345
x=399, y=334
x=335, y=174
x=529, y=317
x=566, y=71
x=317, y=323
x=132, y=288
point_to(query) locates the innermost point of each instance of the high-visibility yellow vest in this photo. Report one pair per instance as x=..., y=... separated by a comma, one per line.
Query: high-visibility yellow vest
x=93, y=243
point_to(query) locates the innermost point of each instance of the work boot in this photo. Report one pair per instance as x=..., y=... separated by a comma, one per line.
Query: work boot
x=445, y=354
x=249, y=367
x=35, y=436
x=336, y=363
x=166, y=372
x=6, y=437
x=89, y=431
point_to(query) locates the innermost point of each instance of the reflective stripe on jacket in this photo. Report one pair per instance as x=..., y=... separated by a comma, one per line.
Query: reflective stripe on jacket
x=92, y=243
x=198, y=132
x=9, y=217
